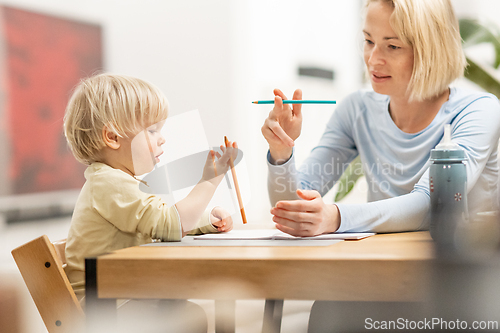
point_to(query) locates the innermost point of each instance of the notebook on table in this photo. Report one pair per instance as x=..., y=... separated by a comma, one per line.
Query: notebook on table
x=270, y=234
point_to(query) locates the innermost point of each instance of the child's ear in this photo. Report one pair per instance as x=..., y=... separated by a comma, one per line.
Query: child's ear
x=110, y=138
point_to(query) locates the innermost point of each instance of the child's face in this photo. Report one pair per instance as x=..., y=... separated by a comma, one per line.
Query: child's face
x=146, y=148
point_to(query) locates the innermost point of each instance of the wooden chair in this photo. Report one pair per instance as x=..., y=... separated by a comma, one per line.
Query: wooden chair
x=41, y=265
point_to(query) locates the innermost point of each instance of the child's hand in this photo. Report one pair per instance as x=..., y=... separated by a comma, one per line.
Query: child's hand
x=217, y=165
x=221, y=219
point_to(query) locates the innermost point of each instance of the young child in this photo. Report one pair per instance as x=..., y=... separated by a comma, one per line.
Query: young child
x=112, y=124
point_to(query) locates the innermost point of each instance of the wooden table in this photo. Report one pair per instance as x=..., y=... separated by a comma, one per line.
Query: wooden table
x=385, y=267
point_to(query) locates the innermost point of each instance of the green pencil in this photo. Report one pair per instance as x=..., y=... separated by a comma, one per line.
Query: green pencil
x=293, y=101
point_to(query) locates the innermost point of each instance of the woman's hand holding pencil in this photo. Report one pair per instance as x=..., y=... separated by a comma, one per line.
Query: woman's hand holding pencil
x=283, y=126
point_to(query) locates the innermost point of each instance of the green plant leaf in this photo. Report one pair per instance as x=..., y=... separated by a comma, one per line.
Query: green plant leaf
x=482, y=77
x=349, y=178
x=474, y=33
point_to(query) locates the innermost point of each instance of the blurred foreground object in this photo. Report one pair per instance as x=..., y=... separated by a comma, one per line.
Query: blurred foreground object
x=448, y=193
x=9, y=307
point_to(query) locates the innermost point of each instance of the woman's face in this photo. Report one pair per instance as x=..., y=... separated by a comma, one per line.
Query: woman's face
x=388, y=60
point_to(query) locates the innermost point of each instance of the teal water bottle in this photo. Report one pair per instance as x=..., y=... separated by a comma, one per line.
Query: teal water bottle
x=448, y=192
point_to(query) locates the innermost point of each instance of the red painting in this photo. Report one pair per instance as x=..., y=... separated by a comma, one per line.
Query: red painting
x=45, y=58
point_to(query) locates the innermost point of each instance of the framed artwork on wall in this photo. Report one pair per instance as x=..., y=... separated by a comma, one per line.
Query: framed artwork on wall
x=42, y=58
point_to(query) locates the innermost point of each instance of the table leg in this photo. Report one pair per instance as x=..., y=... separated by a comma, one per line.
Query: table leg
x=225, y=316
x=100, y=313
x=273, y=311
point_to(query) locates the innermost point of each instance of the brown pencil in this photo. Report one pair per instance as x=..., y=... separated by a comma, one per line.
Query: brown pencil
x=236, y=186
x=213, y=161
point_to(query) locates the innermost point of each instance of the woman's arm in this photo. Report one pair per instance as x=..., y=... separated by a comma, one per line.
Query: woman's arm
x=476, y=129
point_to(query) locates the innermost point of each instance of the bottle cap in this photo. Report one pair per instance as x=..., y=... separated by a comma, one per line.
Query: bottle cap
x=447, y=144
x=447, y=150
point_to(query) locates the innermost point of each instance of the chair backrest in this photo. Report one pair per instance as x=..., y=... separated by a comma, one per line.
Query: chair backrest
x=41, y=265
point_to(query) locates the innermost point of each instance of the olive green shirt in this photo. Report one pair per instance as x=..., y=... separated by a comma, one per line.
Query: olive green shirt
x=112, y=213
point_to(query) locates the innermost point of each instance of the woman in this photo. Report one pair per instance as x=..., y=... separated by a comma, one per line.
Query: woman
x=412, y=52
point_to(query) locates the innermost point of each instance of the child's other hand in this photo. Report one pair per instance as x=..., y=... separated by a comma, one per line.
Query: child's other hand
x=221, y=219
x=217, y=165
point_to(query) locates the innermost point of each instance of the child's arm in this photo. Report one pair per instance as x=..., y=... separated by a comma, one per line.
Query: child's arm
x=191, y=208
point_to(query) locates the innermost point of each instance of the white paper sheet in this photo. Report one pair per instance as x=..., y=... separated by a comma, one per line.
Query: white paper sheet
x=277, y=234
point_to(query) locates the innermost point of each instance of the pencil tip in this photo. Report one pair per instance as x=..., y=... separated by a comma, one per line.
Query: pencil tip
x=256, y=102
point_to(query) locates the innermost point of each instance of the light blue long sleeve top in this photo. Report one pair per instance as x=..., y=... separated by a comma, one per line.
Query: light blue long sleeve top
x=396, y=163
